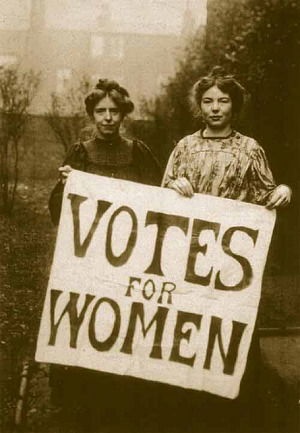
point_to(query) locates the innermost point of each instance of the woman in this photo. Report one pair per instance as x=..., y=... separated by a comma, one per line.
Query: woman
x=88, y=398
x=218, y=160
x=108, y=153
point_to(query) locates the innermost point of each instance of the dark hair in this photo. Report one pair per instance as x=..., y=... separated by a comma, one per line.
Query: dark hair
x=118, y=94
x=227, y=83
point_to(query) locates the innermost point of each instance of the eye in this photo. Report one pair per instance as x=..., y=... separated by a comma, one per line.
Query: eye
x=206, y=100
x=224, y=100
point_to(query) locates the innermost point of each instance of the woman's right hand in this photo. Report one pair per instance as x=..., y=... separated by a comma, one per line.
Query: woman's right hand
x=183, y=187
x=64, y=172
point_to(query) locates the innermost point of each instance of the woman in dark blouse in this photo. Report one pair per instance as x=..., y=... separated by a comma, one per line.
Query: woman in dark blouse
x=108, y=153
x=91, y=400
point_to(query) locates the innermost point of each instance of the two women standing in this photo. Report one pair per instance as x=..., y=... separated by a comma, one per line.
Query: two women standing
x=216, y=160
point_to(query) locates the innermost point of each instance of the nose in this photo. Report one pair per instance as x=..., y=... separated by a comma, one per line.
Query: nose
x=215, y=106
x=108, y=115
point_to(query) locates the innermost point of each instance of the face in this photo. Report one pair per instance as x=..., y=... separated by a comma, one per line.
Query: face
x=216, y=108
x=107, y=118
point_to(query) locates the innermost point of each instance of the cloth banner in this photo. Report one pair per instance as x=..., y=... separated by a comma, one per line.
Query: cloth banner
x=150, y=284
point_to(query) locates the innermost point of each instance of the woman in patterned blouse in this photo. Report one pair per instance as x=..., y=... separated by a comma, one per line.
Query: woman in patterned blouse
x=219, y=160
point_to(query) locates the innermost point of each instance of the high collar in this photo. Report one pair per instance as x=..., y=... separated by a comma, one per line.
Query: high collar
x=232, y=134
x=108, y=142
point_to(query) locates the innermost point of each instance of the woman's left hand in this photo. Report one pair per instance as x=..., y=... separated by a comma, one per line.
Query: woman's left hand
x=280, y=197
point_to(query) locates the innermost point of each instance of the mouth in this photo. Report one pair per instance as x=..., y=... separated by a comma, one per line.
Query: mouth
x=108, y=126
x=215, y=118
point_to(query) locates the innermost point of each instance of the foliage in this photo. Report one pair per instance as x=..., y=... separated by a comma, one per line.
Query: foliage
x=27, y=242
x=258, y=42
x=170, y=111
x=17, y=90
x=66, y=115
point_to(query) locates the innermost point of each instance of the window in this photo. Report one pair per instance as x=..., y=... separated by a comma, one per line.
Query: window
x=117, y=47
x=160, y=80
x=63, y=77
x=119, y=78
x=8, y=60
x=95, y=78
x=97, y=46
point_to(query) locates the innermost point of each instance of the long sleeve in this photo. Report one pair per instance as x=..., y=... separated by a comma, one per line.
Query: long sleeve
x=260, y=178
x=76, y=158
x=147, y=164
x=169, y=174
x=178, y=164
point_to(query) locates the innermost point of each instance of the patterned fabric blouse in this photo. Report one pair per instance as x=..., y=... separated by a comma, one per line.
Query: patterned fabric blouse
x=234, y=167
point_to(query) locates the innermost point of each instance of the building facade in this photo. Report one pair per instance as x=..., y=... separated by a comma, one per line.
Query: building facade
x=97, y=41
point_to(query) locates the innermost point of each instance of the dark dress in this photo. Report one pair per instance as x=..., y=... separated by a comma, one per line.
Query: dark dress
x=122, y=158
x=92, y=401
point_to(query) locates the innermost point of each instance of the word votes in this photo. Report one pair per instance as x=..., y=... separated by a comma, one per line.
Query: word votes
x=163, y=222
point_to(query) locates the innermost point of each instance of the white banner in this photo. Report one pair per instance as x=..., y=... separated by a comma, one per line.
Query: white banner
x=151, y=284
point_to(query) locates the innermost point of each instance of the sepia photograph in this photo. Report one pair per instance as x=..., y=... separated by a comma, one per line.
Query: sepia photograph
x=149, y=216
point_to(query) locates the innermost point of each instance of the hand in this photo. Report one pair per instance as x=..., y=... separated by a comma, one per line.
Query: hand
x=64, y=172
x=183, y=187
x=280, y=197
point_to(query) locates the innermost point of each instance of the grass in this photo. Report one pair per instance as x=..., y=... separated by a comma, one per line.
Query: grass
x=27, y=241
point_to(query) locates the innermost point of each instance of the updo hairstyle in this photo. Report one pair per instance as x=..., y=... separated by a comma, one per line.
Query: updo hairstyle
x=227, y=83
x=110, y=88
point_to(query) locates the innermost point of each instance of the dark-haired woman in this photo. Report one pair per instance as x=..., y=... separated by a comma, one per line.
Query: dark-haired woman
x=219, y=161
x=93, y=401
x=108, y=153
